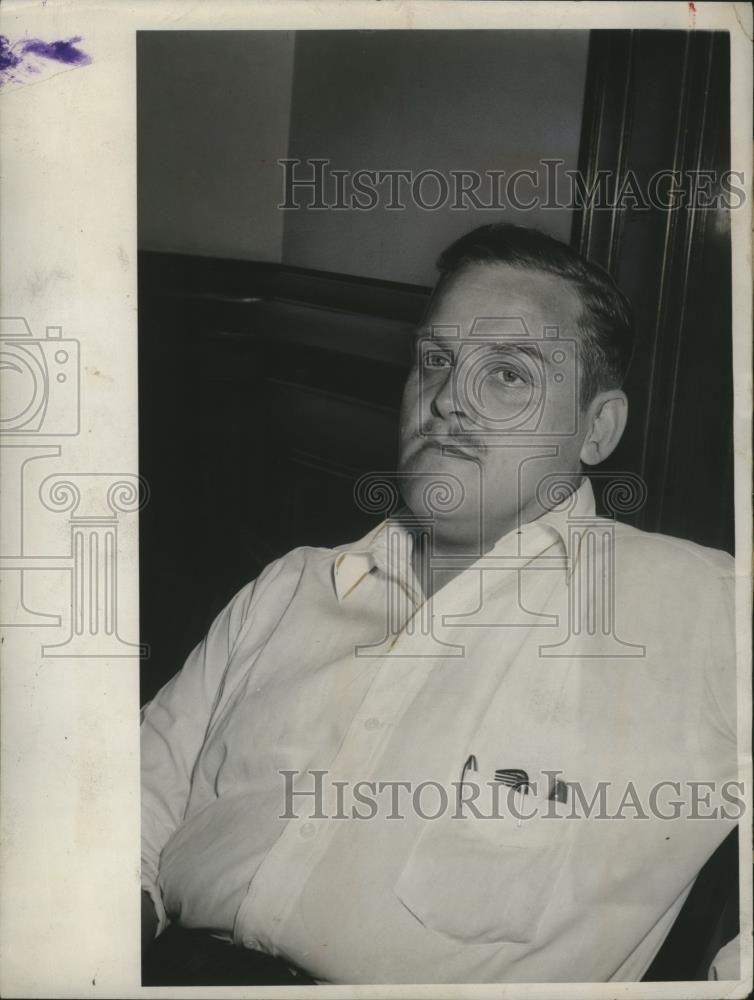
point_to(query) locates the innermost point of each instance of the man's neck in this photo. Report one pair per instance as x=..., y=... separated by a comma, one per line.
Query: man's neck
x=431, y=549
x=464, y=550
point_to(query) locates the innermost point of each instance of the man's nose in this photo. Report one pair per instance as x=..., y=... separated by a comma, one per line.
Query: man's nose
x=445, y=401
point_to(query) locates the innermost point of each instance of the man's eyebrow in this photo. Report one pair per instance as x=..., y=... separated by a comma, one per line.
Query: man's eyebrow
x=531, y=349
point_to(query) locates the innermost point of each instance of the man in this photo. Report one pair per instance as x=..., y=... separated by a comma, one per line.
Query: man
x=557, y=681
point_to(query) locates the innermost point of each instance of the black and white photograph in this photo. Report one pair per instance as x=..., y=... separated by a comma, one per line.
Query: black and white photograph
x=400, y=505
x=436, y=411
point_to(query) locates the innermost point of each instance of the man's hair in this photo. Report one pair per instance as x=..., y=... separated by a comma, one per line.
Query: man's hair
x=605, y=325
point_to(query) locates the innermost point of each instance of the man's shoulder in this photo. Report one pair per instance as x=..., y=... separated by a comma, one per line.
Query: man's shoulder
x=668, y=555
x=296, y=559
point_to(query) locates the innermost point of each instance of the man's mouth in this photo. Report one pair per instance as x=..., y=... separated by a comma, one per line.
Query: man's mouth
x=465, y=446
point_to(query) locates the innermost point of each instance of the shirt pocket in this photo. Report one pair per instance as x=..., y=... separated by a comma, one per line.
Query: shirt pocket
x=483, y=880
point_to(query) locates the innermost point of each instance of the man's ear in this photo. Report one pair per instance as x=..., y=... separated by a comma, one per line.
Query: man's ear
x=606, y=421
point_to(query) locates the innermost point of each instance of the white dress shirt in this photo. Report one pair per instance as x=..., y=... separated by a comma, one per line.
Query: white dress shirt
x=577, y=645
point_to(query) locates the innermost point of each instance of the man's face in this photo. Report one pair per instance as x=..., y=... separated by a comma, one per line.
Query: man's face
x=492, y=400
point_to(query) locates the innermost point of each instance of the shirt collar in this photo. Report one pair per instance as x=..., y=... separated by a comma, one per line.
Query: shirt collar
x=577, y=505
x=354, y=562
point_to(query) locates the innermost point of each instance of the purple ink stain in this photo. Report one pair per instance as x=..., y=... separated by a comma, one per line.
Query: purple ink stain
x=8, y=58
x=64, y=51
x=22, y=58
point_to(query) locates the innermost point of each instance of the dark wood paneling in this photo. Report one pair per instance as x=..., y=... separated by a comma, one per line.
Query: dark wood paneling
x=659, y=100
x=265, y=392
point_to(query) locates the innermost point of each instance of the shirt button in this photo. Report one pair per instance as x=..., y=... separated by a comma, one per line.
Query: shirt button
x=372, y=723
x=308, y=830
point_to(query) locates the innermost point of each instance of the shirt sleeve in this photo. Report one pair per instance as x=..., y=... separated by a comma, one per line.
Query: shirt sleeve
x=173, y=727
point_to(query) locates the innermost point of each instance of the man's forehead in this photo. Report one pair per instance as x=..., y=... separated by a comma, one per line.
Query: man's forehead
x=488, y=299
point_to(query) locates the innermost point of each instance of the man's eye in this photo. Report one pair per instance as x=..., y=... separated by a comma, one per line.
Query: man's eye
x=434, y=360
x=509, y=376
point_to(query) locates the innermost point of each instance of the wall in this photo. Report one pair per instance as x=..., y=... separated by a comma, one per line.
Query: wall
x=474, y=100
x=213, y=116
x=217, y=110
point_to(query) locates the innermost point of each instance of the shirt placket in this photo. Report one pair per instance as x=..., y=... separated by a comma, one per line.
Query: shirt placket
x=281, y=877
